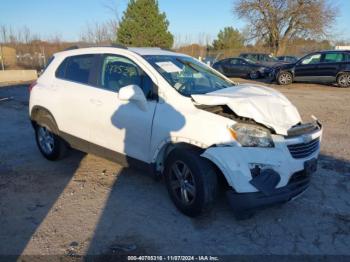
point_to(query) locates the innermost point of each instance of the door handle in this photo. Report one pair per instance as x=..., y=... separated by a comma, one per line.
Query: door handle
x=96, y=101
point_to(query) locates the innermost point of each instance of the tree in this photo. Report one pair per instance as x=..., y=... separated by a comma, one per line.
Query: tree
x=228, y=38
x=143, y=24
x=100, y=33
x=278, y=21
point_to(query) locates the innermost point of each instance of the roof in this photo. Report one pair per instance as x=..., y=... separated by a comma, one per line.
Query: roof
x=138, y=50
x=152, y=51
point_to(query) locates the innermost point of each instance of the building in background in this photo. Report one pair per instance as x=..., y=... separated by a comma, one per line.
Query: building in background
x=342, y=47
x=8, y=56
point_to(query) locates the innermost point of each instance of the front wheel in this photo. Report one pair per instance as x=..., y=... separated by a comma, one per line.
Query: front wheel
x=51, y=146
x=343, y=80
x=285, y=78
x=191, y=181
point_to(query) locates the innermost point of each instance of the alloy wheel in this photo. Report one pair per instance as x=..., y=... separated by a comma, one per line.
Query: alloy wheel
x=46, y=140
x=285, y=78
x=344, y=80
x=182, y=183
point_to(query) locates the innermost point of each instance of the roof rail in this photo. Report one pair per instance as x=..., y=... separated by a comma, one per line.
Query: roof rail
x=86, y=46
x=71, y=48
x=119, y=46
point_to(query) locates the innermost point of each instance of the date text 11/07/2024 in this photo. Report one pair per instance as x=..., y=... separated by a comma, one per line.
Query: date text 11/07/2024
x=173, y=258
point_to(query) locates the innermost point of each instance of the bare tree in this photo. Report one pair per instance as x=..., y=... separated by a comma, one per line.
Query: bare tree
x=103, y=32
x=99, y=33
x=27, y=35
x=3, y=34
x=278, y=21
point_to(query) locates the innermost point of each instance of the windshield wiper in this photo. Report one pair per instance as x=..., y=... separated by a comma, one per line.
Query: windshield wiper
x=187, y=64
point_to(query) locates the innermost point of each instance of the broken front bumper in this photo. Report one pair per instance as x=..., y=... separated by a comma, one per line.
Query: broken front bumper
x=243, y=202
x=266, y=176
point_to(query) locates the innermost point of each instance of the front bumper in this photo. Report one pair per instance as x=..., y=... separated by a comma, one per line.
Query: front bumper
x=243, y=166
x=247, y=202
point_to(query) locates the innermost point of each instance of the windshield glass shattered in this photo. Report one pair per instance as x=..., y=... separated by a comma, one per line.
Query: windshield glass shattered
x=187, y=75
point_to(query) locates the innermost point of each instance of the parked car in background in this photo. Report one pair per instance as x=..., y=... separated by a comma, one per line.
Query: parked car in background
x=326, y=66
x=177, y=117
x=261, y=58
x=240, y=67
x=288, y=59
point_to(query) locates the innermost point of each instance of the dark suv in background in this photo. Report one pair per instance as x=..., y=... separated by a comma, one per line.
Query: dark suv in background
x=261, y=58
x=325, y=66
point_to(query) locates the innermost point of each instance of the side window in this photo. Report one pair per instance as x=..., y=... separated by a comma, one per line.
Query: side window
x=311, y=59
x=118, y=71
x=346, y=57
x=78, y=68
x=61, y=70
x=234, y=61
x=333, y=57
x=252, y=57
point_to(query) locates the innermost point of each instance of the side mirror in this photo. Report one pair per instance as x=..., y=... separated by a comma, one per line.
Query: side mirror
x=133, y=93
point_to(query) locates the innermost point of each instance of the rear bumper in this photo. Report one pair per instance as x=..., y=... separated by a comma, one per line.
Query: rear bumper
x=243, y=202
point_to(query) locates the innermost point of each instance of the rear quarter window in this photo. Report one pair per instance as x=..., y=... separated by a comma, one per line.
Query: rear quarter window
x=333, y=58
x=347, y=57
x=76, y=68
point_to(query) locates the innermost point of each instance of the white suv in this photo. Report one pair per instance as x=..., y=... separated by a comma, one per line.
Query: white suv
x=179, y=118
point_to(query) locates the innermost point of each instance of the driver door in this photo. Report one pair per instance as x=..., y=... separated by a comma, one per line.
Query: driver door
x=308, y=69
x=121, y=127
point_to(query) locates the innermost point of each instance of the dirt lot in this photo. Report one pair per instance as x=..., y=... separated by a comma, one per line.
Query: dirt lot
x=88, y=205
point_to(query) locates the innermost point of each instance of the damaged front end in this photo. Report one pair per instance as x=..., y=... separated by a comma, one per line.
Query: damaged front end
x=269, y=172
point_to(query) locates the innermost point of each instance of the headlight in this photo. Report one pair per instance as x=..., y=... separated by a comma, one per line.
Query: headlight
x=251, y=135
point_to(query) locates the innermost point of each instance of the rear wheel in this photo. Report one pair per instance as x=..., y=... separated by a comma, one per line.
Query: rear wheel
x=285, y=78
x=191, y=181
x=51, y=146
x=343, y=80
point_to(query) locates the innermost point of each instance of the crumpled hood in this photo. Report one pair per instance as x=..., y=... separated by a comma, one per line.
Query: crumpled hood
x=263, y=104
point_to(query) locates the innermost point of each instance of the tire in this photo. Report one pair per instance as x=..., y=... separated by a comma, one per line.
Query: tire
x=191, y=181
x=254, y=75
x=51, y=146
x=284, y=78
x=343, y=80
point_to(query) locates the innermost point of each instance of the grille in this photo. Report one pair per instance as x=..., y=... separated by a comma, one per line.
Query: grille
x=305, y=149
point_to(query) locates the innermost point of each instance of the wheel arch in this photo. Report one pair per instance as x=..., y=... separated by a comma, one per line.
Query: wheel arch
x=41, y=115
x=162, y=154
x=291, y=71
x=342, y=72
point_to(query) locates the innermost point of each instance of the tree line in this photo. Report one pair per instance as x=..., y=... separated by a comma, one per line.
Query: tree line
x=273, y=25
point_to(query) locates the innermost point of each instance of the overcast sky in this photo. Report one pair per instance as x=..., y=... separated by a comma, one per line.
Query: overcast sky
x=189, y=19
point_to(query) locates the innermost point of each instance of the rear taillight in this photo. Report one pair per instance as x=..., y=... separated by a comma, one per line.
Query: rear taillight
x=31, y=86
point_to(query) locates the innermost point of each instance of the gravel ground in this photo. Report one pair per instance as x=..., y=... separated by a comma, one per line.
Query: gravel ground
x=88, y=205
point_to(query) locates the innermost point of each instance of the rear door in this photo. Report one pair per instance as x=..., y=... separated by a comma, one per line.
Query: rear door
x=234, y=67
x=74, y=78
x=245, y=67
x=330, y=65
x=308, y=69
